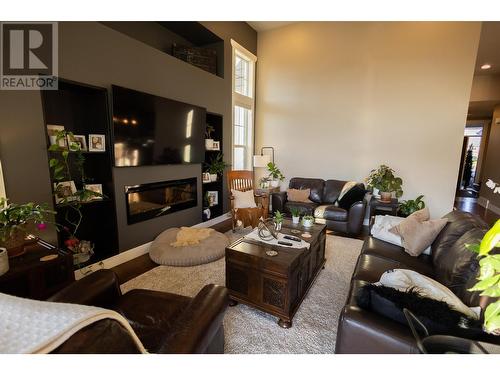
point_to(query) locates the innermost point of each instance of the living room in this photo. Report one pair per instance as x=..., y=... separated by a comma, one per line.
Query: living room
x=249, y=187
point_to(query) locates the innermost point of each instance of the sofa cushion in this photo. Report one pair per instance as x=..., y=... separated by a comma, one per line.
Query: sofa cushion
x=458, y=223
x=384, y=249
x=355, y=194
x=416, y=235
x=296, y=195
x=332, y=190
x=330, y=213
x=304, y=208
x=371, y=267
x=457, y=265
x=315, y=184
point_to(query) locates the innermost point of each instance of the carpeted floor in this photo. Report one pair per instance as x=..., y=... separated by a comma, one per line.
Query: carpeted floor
x=248, y=330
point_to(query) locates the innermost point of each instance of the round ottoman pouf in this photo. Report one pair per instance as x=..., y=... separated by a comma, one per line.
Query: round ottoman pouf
x=208, y=250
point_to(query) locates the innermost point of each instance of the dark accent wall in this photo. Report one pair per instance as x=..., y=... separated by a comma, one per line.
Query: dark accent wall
x=93, y=53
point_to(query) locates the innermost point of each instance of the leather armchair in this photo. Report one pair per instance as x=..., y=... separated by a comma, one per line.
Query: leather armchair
x=323, y=197
x=164, y=322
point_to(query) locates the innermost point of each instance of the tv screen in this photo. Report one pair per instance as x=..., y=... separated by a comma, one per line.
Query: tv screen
x=150, y=130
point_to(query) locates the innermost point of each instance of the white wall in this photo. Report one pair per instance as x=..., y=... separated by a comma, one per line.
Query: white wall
x=337, y=99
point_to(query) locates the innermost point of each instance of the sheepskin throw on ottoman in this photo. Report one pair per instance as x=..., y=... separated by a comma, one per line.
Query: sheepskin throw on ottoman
x=204, y=246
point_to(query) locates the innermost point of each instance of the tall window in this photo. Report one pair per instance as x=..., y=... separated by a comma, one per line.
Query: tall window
x=243, y=106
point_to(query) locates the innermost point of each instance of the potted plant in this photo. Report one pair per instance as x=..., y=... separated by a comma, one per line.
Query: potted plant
x=14, y=219
x=61, y=171
x=386, y=182
x=264, y=182
x=209, y=142
x=216, y=166
x=308, y=221
x=489, y=270
x=275, y=174
x=406, y=208
x=295, y=215
x=278, y=220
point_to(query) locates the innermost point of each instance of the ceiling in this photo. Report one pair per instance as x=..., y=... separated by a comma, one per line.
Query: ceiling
x=268, y=25
x=489, y=49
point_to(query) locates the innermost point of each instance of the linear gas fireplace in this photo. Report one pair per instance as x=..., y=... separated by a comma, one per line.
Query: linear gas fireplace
x=148, y=201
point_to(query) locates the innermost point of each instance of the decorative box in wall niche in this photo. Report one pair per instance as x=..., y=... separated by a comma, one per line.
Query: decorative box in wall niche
x=203, y=58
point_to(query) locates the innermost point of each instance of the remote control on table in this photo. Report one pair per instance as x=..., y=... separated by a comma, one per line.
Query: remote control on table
x=285, y=243
x=291, y=238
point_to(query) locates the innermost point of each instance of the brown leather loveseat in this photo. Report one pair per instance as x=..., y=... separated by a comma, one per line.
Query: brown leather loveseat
x=451, y=264
x=324, y=205
x=164, y=322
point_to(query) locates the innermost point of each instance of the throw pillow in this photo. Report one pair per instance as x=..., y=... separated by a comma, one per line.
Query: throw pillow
x=421, y=215
x=416, y=235
x=437, y=316
x=243, y=199
x=347, y=186
x=355, y=194
x=298, y=195
x=404, y=280
x=381, y=229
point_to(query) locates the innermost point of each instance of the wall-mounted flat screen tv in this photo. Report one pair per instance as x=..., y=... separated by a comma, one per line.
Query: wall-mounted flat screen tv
x=151, y=130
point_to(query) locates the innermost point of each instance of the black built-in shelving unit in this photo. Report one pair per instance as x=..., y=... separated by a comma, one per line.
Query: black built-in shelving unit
x=215, y=120
x=83, y=110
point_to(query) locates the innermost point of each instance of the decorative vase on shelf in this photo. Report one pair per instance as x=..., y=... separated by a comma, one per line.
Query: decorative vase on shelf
x=213, y=177
x=4, y=261
x=385, y=196
x=209, y=144
x=14, y=242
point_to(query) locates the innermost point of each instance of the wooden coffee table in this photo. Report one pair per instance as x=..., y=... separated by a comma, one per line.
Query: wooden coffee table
x=276, y=285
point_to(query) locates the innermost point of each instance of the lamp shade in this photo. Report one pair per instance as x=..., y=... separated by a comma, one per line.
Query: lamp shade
x=261, y=161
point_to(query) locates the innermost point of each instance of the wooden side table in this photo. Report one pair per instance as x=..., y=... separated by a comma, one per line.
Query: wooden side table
x=385, y=208
x=30, y=277
x=264, y=200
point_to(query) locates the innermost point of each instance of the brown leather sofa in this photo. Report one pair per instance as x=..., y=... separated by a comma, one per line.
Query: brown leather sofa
x=164, y=322
x=324, y=196
x=450, y=263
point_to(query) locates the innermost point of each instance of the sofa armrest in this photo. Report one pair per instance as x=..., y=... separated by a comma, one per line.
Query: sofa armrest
x=356, y=216
x=364, y=332
x=199, y=322
x=278, y=201
x=100, y=288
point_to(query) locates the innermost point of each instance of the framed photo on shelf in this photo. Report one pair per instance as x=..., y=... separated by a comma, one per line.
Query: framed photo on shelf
x=77, y=142
x=213, y=198
x=97, y=142
x=64, y=191
x=96, y=188
x=216, y=146
x=52, y=131
x=205, y=177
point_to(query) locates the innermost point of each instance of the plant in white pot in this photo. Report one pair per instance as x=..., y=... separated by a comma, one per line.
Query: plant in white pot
x=278, y=220
x=295, y=215
x=209, y=141
x=216, y=167
x=308, y=221
x=386, y=182
x=275, y=175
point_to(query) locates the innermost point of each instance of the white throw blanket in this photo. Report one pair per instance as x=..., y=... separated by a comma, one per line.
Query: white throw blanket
x=254, y=235
x=30, y=326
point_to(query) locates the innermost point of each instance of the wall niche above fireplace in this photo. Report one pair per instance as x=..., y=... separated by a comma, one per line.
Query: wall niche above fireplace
x=147, y=201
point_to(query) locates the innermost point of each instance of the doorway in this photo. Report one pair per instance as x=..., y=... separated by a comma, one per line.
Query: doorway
x=468, y=182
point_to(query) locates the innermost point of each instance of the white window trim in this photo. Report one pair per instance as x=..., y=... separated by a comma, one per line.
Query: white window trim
x=242, y=100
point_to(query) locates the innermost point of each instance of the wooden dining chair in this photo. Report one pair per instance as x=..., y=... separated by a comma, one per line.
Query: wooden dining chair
x=243, y=181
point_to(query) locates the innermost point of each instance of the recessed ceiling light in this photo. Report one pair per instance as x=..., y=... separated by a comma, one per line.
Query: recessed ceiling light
x=485, y=66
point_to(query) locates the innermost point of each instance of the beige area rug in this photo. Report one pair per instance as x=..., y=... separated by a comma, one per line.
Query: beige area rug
x=248, y=330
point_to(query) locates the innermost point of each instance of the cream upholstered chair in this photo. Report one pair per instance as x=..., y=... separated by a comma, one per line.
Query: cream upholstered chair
x=243, y=181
